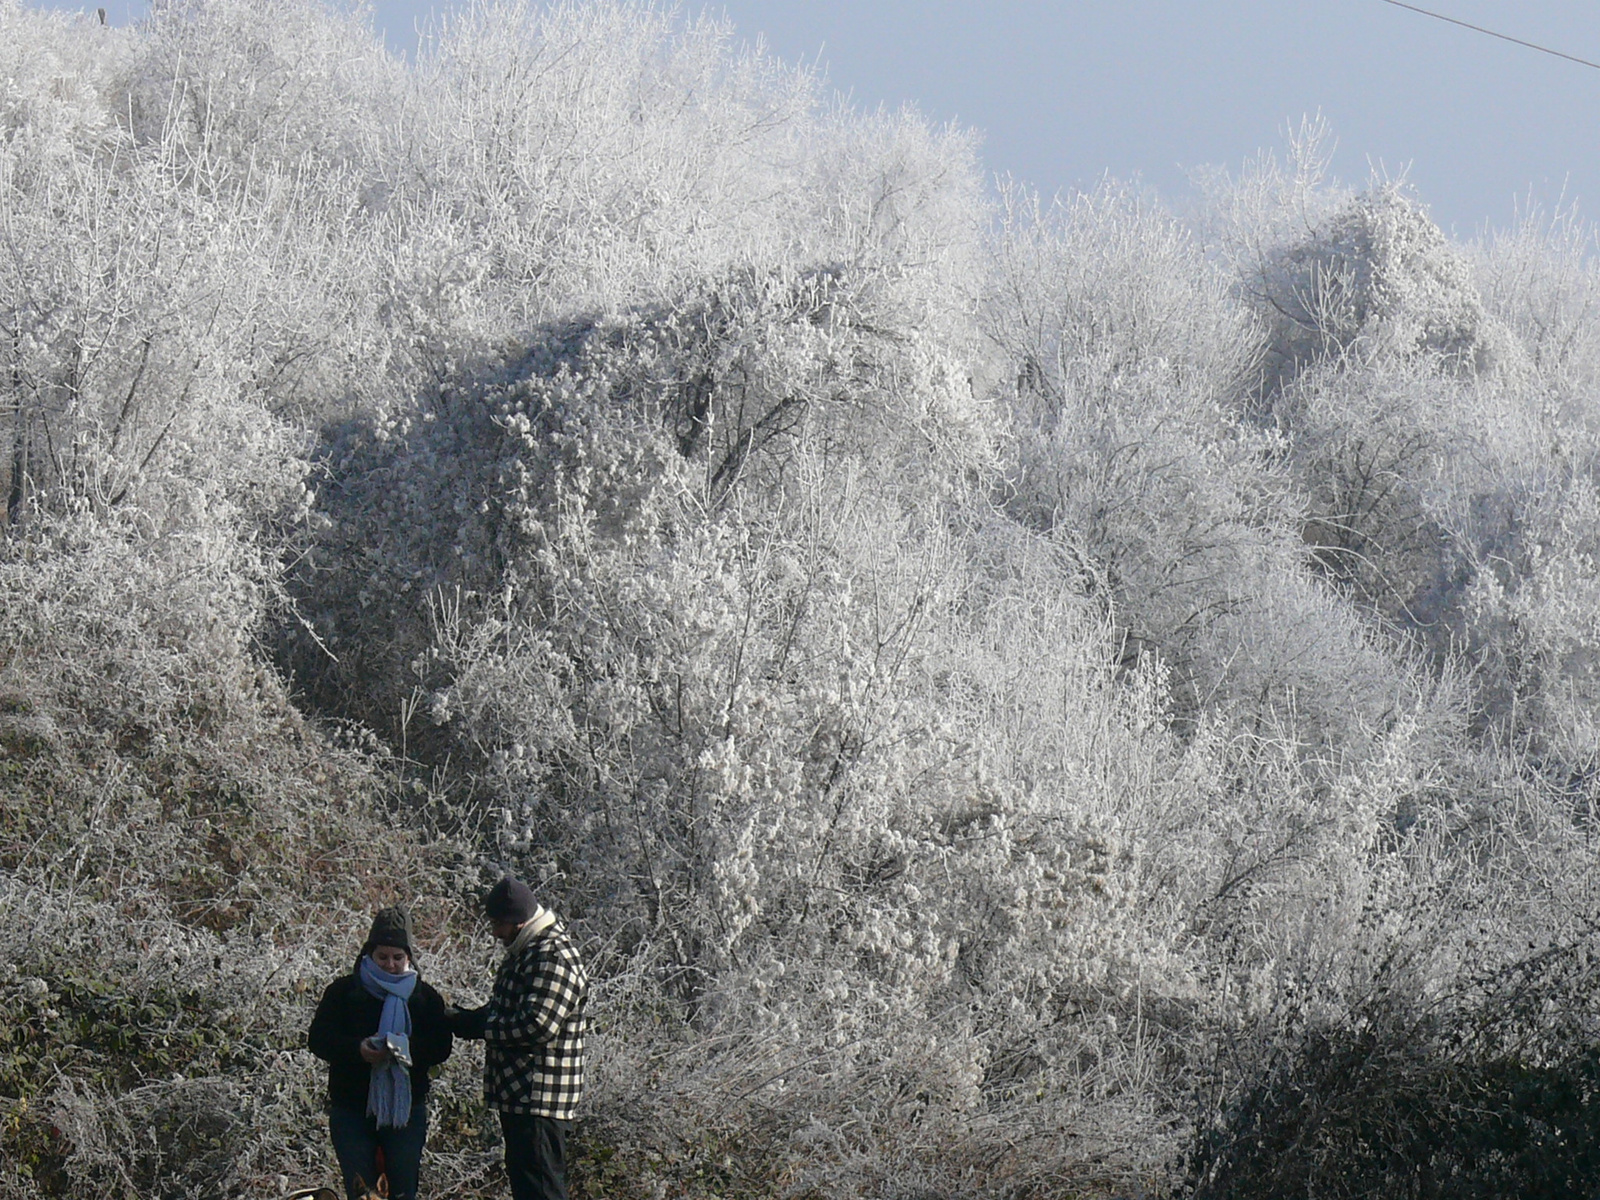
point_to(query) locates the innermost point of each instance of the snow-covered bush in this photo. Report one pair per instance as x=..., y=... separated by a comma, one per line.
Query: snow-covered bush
x=1342, y=275
x=233, y=85
x=1133, y=369
x=1378, y=279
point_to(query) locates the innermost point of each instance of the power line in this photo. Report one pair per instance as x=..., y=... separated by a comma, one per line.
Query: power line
x=1504, y=37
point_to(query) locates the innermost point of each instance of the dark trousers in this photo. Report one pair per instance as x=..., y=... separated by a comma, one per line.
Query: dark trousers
x=536, y=1156
x=356, y=1138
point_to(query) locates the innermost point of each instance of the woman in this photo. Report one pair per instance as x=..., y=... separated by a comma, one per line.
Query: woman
x=379, y=1029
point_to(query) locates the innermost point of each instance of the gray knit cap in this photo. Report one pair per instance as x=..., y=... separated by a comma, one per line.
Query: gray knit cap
x=391, y=927
x=510, y=900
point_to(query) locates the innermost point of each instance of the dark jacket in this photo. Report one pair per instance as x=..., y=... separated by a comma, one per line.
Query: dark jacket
x=348, y=1013
x=533, y=1029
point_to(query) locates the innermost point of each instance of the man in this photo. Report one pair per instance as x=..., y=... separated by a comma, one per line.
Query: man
x=532, y=1029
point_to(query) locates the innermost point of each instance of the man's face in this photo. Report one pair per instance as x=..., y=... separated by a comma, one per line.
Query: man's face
x=505, y=929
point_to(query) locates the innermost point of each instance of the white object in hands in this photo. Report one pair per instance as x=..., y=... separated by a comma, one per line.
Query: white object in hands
x=398, y=1045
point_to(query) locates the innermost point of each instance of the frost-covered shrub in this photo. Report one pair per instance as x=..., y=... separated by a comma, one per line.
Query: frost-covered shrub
x=133, y=368
x=588, y=153
x=1122, y=357
x=1108, y=286
x=1534, y=619
x=1386, y=1026
x=571, y=158
x=1378, y=279
x=1132, y=367
x=1341, y=275
x=1540, y=280
x=768, y=797
x=1382, y=454
x=1478, y=1091
x=62, y=83
x=294, y=82
x=134, y=702
x=716, y=393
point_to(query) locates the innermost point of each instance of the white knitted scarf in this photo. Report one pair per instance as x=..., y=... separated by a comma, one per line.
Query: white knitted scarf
x=541, y=920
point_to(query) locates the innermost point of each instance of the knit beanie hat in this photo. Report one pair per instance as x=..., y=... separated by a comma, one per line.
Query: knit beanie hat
x=510, y=900
x=391, y=927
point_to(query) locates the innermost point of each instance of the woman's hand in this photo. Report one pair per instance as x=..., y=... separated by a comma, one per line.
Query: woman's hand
x=374, y=1054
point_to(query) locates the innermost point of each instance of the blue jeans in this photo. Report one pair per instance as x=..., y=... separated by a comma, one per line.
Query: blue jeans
x=356, y=1138
x=536, y=1156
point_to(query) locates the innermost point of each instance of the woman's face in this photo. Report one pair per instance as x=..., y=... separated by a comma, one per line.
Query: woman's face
x=391, y=959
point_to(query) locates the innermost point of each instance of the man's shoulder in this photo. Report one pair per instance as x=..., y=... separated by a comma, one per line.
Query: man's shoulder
x=553, y=945
x=559, y=938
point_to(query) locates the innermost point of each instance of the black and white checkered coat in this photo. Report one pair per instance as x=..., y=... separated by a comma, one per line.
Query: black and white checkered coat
x=533, y=1029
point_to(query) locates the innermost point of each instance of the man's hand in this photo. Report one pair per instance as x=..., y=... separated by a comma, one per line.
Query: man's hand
x=466, y=1022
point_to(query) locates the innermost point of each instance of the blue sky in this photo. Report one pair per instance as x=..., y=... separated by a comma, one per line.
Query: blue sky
x=1064, y=92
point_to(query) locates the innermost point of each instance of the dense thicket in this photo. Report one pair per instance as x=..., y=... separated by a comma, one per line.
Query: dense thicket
x=1016, y=698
